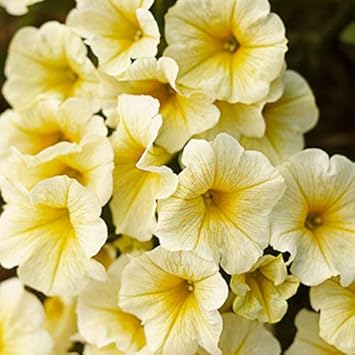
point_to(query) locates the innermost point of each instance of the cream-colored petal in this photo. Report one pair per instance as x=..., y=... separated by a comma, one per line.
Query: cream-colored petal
x=116, y=31
x=307, y=340
x=337, y=315
x=55, y=232
x=101, y=321
x=57, y=60
x=17, y=7
x=177, y=300
x=213, y=210
x=320, y=226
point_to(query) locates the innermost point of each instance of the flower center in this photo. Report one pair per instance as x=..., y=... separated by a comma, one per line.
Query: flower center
x=313, y=221
x=72, y=173
x=231, y=45
x=208, y=197
x=54, y=307
x=190, y=286
x=138, y=35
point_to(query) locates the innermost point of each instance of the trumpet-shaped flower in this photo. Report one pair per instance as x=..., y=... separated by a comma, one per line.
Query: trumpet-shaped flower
x=17, y=7
x=286, y=118
x=101, y=321
x=48, y=62
x=315, y=221
x=243, y=337
x=51, y=233
x=177, y=295
x=117, y=31
x=275, y=124
x=139, y=175
x=91, y=164
x=60, y=321
x=307, y=340
x=222, y=204
x=21, y=321
x=183, y=115
x=262, y=292
x=337, y=313
x=40, y=130
x=232, y=48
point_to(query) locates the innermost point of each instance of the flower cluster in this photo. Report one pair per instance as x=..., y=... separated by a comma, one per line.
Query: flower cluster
x=144, y=186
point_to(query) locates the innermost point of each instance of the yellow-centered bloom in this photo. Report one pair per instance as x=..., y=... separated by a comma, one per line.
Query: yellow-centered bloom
x=101, y=322
x=140, y=177
x=60, y=321
x=117, y=31
x=177, y=296
x=222, y=204
x=21, y=321
x=184, y=114
x=231, y=48
x=337, y=313
x=244, y=337
x=17, y=7
x=52, y=139
x=262, y=292
x=307, y=340
x=315, y=220
x=274, y=125
x=52, y=233
x=50, y=61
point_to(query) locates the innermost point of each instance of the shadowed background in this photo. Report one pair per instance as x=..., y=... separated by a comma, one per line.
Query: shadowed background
x=321, y=37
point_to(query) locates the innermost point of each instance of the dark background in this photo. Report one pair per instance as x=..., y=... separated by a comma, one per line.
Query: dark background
x=321, y=48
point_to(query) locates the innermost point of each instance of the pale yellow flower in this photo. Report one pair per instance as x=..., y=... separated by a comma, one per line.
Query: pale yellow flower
x=126, y=244
x=139, y=175
x=17, y=7
x=232, y=48
x=244, y=337
x=307, y=340
x=101, y=322
x=21, y=321
x=337, y=313
x=274, y=125
x=184, y=115
x=262, y=293
x=52, y=139
x=315, y=220
x=177, y=295
x=107, y=255
x=49, y=62
x=222, y=204
x=51, y=233
x=60, y=321
x=117, y=31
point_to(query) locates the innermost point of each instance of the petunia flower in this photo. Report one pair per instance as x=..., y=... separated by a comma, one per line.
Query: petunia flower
x=48, y=127
x=17, y=7
x=315, y=221
x=52, y=233
x=184, y=115
x=140, y=177
x=262, y=292
x=60, y=321
x=274, y=125
x=117, y=31
x=50, y=61
x=21, y=321
x=244, y=337
x=177, y=296
x=337, y=316
x=233, y=48
x=101, y=321
x=307, y=340
x=222, y=204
